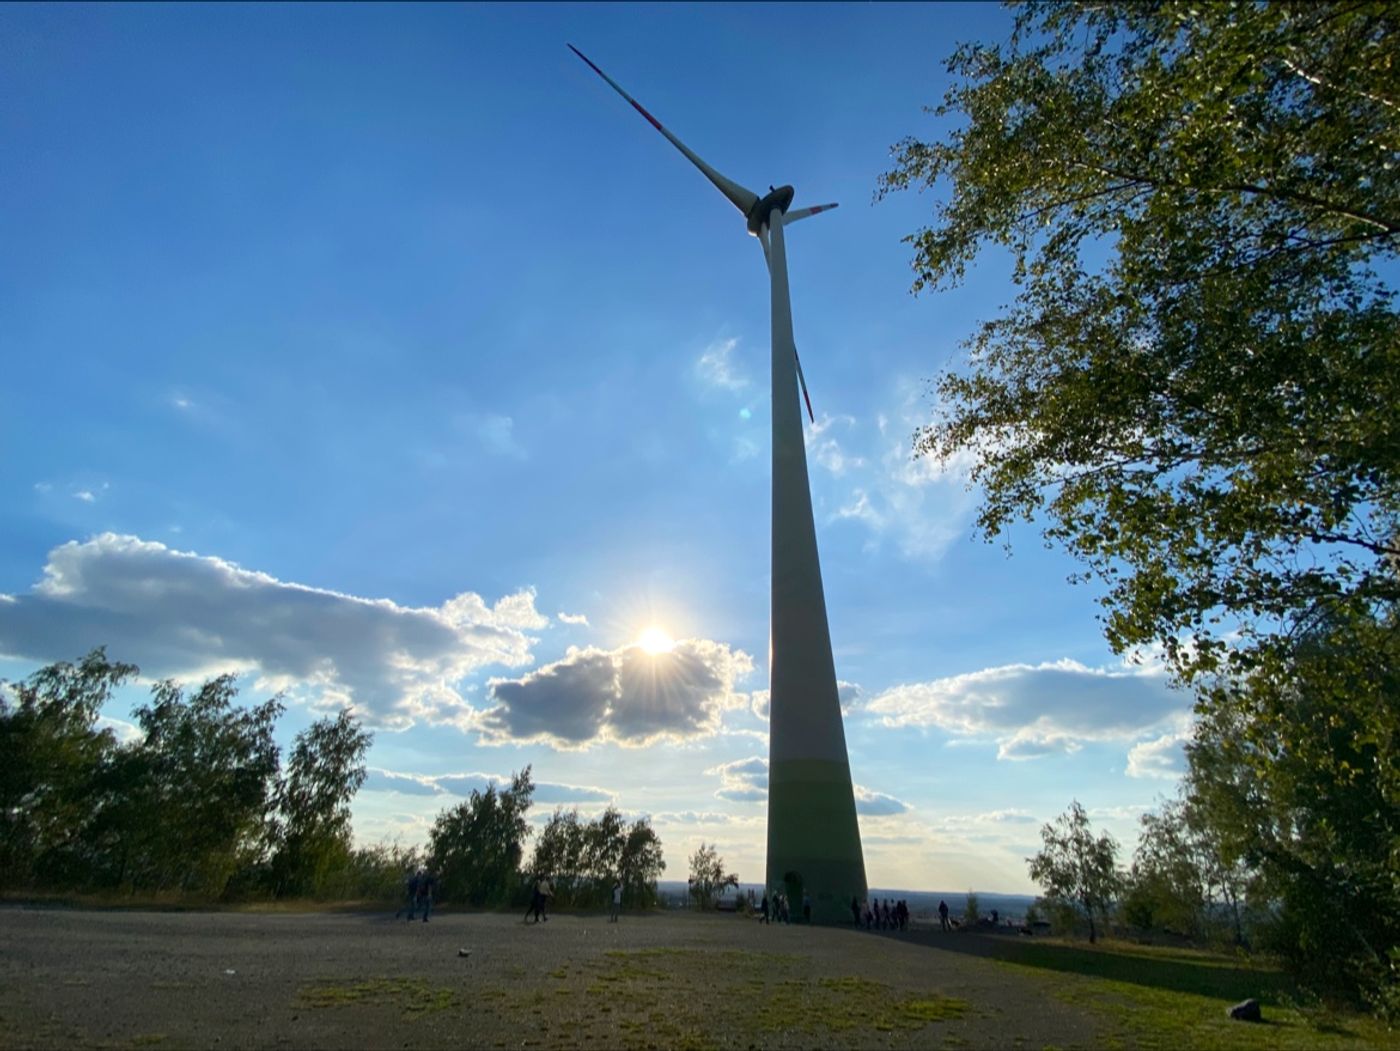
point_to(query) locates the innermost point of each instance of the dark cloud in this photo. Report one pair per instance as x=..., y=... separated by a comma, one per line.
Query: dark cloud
x=628, y=695
x=183, y=615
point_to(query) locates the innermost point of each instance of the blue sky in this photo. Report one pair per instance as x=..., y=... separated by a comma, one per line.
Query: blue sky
x=386, y=356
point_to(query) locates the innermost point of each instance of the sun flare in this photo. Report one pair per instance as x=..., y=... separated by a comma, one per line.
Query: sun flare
x=654, y=641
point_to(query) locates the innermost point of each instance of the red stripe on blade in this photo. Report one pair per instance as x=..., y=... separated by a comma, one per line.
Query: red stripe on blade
x=654, y=122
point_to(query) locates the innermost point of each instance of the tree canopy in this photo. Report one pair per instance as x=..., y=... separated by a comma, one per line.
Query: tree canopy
x=1077, y=868
x=1196, y=385
x=1195, y=393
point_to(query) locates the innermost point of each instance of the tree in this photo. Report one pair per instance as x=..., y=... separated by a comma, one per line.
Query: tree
x=642, y=864
x=707, y=876
x=584, y=858
x=199, y=787
x=312, y=831
x=1166, y=887
x=476, y=847
x=1075, y=868
x=1298, y=775
x=52, y=758
x=1197, y=383
x=972, y=910
x=1195, y=390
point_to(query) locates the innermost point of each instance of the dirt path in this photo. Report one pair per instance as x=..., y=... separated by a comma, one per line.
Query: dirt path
x=233, y=980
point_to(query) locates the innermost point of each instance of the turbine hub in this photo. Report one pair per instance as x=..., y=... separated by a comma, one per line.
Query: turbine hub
x=777, y=200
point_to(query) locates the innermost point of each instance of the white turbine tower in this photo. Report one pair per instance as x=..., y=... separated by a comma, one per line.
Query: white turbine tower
x=813, y=838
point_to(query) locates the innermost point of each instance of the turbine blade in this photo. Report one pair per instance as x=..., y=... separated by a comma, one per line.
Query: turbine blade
x=803, y=213
x=742, y=199
x=801, y=379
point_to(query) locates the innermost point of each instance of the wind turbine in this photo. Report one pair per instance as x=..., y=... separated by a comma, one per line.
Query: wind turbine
x=813, y=837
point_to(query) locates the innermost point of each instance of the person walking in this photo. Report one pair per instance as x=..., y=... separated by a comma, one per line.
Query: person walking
x=763, y=907
x=943, y=916
x=616, y=900
x=855, y=909
x=806, y=907
x=413, y=882
x=427, y=884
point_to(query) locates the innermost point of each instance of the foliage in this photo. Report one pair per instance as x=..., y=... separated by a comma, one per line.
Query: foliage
x=1300, y=772
x=708, y=879
x=51, y=756
x=972, y=910
x=584, y=858
x=1195, y=391
x=476, y=847
x=1206, y=417
x=1075, y=868
x=200, y=786
x=193, y=807
x=1186, y=873
x=312, y=832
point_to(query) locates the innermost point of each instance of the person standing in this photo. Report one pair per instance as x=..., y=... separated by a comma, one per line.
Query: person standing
x=546, y=892
x=806, y=907
x=764, y=907
x=427, y=883
x=413, y=882
x=943, y=915
x=535, y=896
x=855, y=909
x=616, y=900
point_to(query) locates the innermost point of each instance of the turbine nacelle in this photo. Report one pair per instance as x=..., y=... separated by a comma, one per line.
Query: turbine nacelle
x=778, y=200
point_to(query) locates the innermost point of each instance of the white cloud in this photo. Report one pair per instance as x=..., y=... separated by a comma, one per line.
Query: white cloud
x=1037, y=710
x=573, y=618
x=626, y=695
x=1164, y=757
x=184, y=615
x=547, y=793
x=716, y=366
x=125, y=732
x=826, y=449
x=497, y=433
x=692, y=817
x=746, y=781
x=85, y=495
x=877, y=804
x=742, y=780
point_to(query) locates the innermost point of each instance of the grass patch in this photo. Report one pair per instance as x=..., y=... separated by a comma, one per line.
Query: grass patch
x=733, y=996
x=413, y=996
x=1168, y=998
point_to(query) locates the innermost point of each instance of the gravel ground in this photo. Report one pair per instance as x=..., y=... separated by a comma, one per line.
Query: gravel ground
x=72, y=977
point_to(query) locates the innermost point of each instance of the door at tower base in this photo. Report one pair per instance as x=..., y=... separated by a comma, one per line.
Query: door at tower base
x=813, y=837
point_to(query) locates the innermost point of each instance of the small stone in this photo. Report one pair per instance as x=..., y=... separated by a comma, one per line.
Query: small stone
x=1245, y=1011
x=464, y=952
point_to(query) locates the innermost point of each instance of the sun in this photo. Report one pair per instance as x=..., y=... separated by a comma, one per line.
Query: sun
x=654, y=640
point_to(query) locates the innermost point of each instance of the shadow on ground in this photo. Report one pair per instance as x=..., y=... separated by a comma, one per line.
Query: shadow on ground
x=1181, y=971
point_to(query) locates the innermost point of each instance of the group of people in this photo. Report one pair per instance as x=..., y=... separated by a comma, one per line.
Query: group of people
x=421, y=886
x=776, y=909
x=881, y=916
